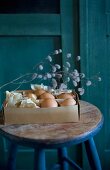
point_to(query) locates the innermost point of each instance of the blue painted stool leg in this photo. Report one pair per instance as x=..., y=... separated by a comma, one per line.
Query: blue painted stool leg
x=11, y=165
x=73, y=164
x=62, y=153
x=92, y=154
x=39, y=159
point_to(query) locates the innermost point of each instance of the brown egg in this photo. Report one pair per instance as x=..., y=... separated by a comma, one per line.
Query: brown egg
x=65, y=96
x=38, y=92
x=46, y=95
x=31, y=95
x=49, y=103
x=68, y=102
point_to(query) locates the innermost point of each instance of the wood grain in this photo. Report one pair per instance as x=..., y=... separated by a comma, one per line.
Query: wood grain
x=90, y=120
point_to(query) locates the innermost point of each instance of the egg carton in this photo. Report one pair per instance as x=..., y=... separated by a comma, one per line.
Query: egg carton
x=23, y=115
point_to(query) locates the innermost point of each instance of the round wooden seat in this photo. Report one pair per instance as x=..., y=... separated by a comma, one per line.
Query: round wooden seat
x=59, y=136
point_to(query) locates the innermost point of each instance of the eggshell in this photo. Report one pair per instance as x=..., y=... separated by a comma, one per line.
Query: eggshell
x=68, y=102
x=46, y=95
x=12, y=98
x=31, y=95
x=37, y=106
x=49, y=103
x=65, y=96
x=28, y=103
x=38, y=92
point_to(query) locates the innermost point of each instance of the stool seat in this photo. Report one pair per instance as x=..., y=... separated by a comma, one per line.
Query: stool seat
x=57, y=136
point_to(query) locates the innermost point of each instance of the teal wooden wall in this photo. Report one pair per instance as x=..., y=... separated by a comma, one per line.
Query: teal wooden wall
x=95, y=52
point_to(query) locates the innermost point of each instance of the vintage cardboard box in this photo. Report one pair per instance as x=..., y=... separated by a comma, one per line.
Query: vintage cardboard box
x=12, y=115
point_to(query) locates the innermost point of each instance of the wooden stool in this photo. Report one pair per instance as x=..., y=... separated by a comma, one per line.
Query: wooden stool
x=57, y=136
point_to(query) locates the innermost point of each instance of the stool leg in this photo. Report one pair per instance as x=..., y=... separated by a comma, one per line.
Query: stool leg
x=11, y=165
x=39, y=159
x=92, y=154
x=62, y=152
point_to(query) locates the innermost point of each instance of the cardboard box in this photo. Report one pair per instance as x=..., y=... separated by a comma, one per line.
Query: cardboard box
x=12, y=115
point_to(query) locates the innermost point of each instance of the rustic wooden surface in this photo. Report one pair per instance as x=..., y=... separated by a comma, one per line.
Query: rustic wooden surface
x=91, y=118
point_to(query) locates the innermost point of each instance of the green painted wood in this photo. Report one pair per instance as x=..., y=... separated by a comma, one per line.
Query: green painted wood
x=107, y=6
x=108, y=26
x=94, y=49
x=107, y=115
x=70, y=33
x=70, y=28
x=83, y=15
x=69, y=36
x=29, y=24
x=107, y=74
x=66, y=8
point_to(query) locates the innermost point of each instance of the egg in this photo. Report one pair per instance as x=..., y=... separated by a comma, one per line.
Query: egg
x=49, y=103
x=31, y=95
x=38, y=92
x=68, y=102
x=65, y=96
x=46, y=95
